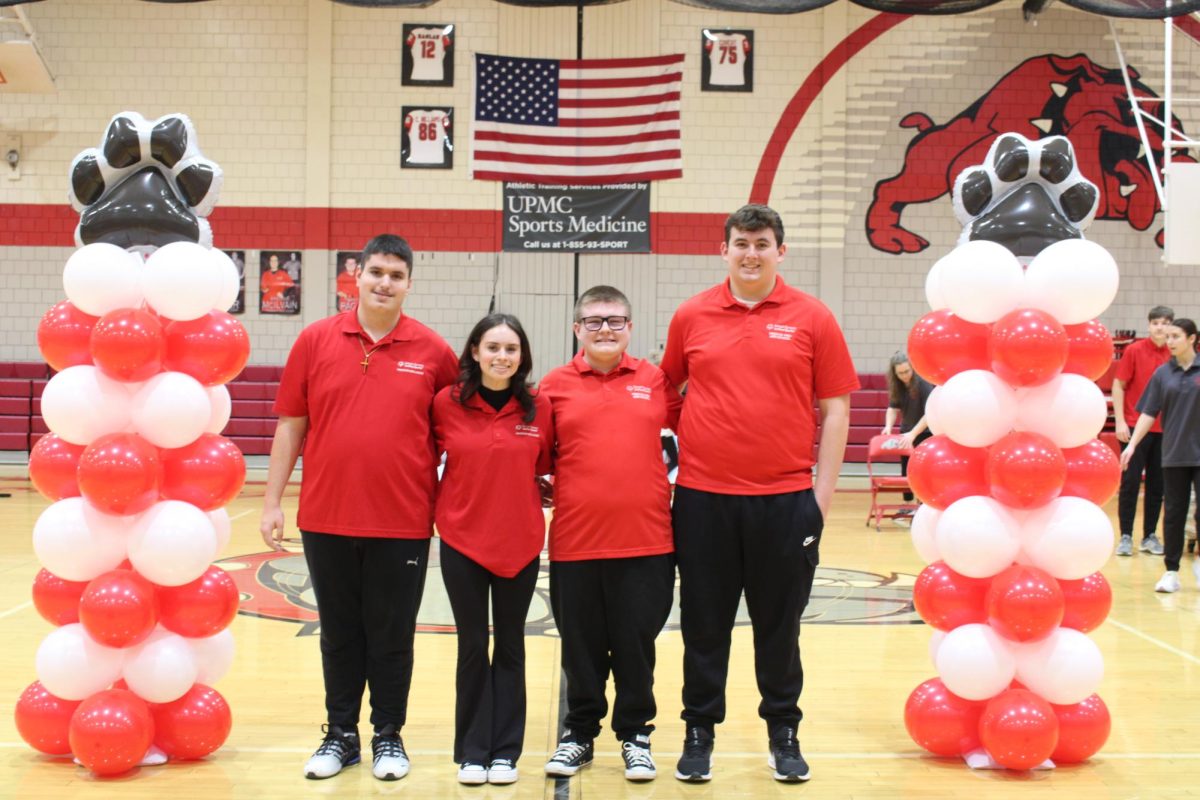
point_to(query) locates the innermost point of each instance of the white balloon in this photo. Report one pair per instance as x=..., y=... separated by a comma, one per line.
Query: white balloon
x=162, y=668
x=81, y=404
x=173, y=543
x=1069, y=537
x=981, y=281
x=76, y=542
x=932, y=412
x=933, y=288
x=935, y=643
x=171, y=409
x=222, y=408
x=222, y=526
x=1068, y=409
x=100, y=277
x=183, y=281
x=1064, y=668
x=974, y=662
x=230, y=280
x=74, y=666
x=924, y=527
x=1073, y=280
x=214, y=656
x=975, y=408
x=977, y=537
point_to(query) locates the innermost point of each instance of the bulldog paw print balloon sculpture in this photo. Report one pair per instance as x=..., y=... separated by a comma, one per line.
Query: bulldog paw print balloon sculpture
x=135, y=466
x=1013, y=479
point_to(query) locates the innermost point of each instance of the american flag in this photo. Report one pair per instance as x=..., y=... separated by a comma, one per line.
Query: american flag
x=540, y=120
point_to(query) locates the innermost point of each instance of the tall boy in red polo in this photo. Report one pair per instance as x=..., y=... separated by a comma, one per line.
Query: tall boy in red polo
x=356, y=393
x=612, y=576
x=756, y=355
x=1138, y=362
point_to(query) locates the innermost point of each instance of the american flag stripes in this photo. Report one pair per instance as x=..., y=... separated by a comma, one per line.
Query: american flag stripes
x=591, y=121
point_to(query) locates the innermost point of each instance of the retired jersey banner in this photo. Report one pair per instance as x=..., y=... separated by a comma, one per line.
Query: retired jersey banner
x=577, y=219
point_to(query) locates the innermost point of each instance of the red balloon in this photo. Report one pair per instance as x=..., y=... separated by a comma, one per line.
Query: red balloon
x=111, y=731
x=57, y=600
x=1091, y=350
x=1018, y=729
x=194, y=725
x=128, y=344
x=63, y=336
x=118, y=608
x=1027, y=347
x=212, y=349
x=1087, y=602
x=1025, y=470
x=1024, y=603
x=208, y=473
x=52, y=465
x=204, y=607
x=1082, y=730
x=942, y=345
x=43, y=720
x=940, y=721
x=946, y=599
x=1093, y=472
x=942, y=471
x=120, y=474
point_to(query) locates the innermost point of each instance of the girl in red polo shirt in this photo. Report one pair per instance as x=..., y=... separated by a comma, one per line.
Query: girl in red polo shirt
x=497, y=436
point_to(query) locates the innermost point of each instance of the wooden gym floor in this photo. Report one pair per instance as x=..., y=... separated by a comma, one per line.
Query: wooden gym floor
x=864, y=651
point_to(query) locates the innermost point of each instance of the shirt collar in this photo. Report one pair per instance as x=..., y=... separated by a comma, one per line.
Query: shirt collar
x=477, y=403
x=627, y=364
x=774, y=298
x=401, y=333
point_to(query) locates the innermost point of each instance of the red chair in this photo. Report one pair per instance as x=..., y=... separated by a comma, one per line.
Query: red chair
x=885, y=449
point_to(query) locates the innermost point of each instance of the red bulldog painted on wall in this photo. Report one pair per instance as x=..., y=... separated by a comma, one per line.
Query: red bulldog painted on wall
x=1046, y=95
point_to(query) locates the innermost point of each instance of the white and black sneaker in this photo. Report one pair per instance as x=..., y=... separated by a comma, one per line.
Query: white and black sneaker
x=695, y=765
x=339, y=749
x=570, y=756
x=785, y=758
x=639, y=764
x=390, y=760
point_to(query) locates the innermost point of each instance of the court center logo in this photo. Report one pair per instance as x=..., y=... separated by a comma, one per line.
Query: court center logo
x=276, y=586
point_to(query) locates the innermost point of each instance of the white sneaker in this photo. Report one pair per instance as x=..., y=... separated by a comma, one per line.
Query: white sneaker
x=502, y=770
x=1168, y=583
x=472, y=774
x=639, y=764
x=339, y=749
x=390, y=760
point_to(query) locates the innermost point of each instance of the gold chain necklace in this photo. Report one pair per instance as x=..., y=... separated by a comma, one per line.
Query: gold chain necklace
x=366, y=362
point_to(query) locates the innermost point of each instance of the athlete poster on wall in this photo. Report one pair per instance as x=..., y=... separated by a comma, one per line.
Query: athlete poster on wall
x=726, y=60
x=345, y=292
x=428, y=55
x=427, y=137
x=279, y=282
x=238, y=257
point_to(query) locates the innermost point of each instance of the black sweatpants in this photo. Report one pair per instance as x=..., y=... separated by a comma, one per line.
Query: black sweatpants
x=368, y=592
x=489, y=706
x=766, y=546
x=608, y=612
x=1146, y=456
x=1178, y=483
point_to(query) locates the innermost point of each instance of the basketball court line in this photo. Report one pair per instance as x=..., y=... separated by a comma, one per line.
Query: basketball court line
x=1156, y=642
x=15, y=609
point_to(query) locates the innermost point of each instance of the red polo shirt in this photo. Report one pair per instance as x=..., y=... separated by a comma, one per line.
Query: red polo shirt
x=369, y=464
x=611, y=495
x=1135, y=367
x=753, y=376
x=489, y=507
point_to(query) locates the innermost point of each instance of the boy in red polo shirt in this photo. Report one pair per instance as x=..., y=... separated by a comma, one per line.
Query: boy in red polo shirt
x=612, y=576
x=1138, y=362
x=356, y=393
x=756, y=356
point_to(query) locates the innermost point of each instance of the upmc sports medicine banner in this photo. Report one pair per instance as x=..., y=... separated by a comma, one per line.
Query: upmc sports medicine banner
x=612, y=218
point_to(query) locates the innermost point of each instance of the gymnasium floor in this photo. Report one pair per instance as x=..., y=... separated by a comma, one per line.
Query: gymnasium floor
x=864, y=651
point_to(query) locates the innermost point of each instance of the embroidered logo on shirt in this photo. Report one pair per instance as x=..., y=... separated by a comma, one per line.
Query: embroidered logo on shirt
x=411, y=367
x=777, y=331
x=809, y=540
x=526, y=430
x=638, y=392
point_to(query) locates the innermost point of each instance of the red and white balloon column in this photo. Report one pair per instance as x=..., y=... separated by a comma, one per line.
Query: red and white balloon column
x=1012, y=483
x=139, y=476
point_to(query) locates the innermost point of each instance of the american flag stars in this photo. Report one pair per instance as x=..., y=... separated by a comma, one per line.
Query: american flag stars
x=519, y=90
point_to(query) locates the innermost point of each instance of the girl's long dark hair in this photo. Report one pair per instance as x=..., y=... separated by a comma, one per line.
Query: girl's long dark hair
x=470, y=377
x=896, y=387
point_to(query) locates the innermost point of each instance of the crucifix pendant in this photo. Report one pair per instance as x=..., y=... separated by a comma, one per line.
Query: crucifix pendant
x=366, y=362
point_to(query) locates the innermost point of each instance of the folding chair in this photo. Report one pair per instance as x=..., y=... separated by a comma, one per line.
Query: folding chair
x=887, y=448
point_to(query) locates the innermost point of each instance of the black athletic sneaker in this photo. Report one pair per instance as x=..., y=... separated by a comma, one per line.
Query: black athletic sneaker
x=695, y=765
x=570, y=756
x=785, y=757
x=339, y=749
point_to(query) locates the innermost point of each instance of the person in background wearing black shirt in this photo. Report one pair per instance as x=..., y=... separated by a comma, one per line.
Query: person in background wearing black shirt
x=908, y=393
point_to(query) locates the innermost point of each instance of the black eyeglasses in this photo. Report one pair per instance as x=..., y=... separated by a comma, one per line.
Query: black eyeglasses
x=596, y=323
